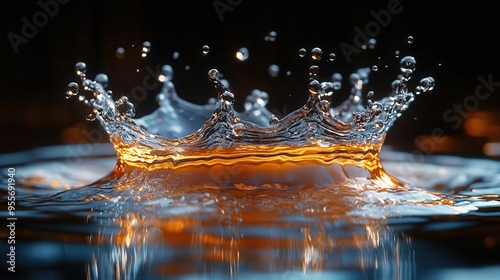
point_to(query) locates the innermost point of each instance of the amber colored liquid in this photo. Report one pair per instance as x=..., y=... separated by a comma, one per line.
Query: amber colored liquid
x=259, y=167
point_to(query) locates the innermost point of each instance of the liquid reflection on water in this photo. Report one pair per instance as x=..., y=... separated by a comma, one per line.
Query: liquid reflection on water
x=318, y=232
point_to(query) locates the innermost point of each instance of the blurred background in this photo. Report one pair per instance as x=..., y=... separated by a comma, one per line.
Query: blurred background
x=456, y=44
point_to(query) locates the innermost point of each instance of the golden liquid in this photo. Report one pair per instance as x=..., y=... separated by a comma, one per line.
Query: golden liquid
x=259, y=167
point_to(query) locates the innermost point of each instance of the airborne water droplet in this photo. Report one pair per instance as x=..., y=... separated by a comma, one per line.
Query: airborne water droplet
x=427, y=84
x=102, y=79
x=375, y=68
x=206, y=49
x=302, y=52
x=372, y=43
x=408, y=65
x=213, y=74
x=409, y=39
x=313, y=71
x=80, y=68
x=72, y=89
x=316, y=53
x=146, y=48
x=396, y=53
x=273, y=70
x=242, y=54
x=120, y=53
x=175, y=55
x=332, y=56
x=271, y=36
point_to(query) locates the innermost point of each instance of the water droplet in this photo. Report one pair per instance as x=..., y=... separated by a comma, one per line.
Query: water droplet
x=72, y=89
x=88, y=85
x=409, y=39
x=375, y=68
x=167, y=72
x=213, y=74
x=206, y=49
x=408, y=65
x=369, y=95
x=314, y=87
x=288, y=73
x=396, y=53
x=273, y=70
x=80, y=68
x=227, y=97
x=379, y=124
x=273, y=121
x=125, y=107
x=337, y=81
x=120, y=53
x=316, y=53
x=102, y=79
x=242, y=54
x=302, y=52
x=238, y=129
x=364, y=47
x=332, y=57
x=90, y=117
x=271, y=36
x=324, y=105
x=146, y=48
x=187, y=67
x=372, y=43
x=175, y=55
x=427, y=84
x=313, y=71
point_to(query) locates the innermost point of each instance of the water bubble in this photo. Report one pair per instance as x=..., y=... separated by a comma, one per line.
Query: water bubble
x=273, y=121
x=271, y=36
x=316, y=53
x=80, y=68
x=205, y=49
x=409, y=39
x=72, y=89
x=175, y=55
x=242, y=54
x=102, y=79
x=427, y=84
x=379, y=124
x=273, y=70
x=213, y=74
x=332, y=57
x=408, y=65
x=313, y=71
x=120, y=53
x=372, y=43
x=146, y=48
x=302, y=52
x=375, y=68
x=125, y=107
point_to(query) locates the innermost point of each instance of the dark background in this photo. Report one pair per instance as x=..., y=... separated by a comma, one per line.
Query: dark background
x=453, y=43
